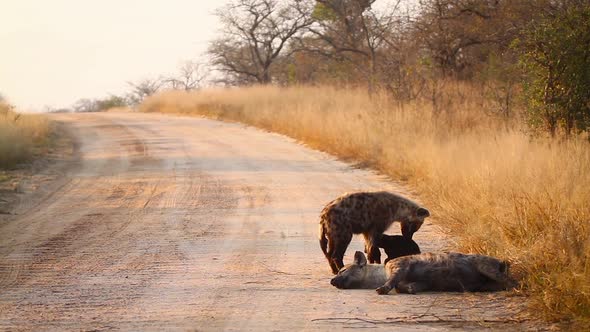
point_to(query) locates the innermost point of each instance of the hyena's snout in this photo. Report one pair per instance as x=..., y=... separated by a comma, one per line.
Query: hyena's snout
x=338, y=282
x=413, y=224
x=345, y=282
x=408, y=230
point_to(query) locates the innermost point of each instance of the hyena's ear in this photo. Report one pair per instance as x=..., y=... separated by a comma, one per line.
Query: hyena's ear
x=422, y=213
x=360, y=259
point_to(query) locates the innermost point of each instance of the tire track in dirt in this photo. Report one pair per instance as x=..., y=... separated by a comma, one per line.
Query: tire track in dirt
x=89, y=243
x=185, y=223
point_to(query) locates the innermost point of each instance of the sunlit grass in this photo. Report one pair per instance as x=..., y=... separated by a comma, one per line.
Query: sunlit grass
x=21, y=136
x=494, y=189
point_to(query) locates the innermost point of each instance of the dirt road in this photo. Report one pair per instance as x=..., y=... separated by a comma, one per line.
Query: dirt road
x=185, y=223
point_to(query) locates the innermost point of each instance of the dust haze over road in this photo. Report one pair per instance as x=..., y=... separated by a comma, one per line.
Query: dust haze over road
x=186, y=223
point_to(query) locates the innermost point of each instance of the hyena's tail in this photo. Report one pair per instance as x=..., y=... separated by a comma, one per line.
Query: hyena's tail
x=323, y=240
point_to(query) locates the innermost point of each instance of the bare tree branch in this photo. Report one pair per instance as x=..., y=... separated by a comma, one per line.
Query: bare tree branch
x=191, y=76
x=255, y=34
x=143, y=89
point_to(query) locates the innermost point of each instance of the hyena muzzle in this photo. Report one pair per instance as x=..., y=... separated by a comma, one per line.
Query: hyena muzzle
x=367, y=213
x=450, y=272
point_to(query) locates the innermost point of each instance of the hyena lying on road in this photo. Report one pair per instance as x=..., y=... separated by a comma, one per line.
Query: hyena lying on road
x=451, y=272
x=367, y=213
x=397, y=246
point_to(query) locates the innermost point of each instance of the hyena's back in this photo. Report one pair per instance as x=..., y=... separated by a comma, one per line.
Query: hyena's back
x=361, y=212
x=449, y=272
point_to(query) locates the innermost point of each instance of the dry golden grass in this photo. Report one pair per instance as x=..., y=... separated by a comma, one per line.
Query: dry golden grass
x=21, y=136
x=492, y=187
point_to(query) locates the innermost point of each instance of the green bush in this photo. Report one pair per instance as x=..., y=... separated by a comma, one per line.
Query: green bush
x=556, y=60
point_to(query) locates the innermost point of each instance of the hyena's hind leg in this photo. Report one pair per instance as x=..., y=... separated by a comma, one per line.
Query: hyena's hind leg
x=371, y=247
x=327, y=247
x=329, y=255
x=336, y=249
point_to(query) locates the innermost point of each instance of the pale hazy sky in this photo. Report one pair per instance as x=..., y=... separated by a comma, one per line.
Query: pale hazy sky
x=53, y=52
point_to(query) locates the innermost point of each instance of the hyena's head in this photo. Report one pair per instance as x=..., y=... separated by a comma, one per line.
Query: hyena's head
x=504, y=268
x=413, y=220
x=352, y=275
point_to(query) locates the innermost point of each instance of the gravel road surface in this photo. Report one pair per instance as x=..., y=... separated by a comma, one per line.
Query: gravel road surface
x=167, y=222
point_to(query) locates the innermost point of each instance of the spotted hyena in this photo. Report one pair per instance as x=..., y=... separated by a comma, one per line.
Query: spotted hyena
x=451, y=272
x=367, y=213
x=397, y=246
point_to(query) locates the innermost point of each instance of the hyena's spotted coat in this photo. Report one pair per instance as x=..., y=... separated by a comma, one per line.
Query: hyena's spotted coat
x=450, y=272
x=367, y=213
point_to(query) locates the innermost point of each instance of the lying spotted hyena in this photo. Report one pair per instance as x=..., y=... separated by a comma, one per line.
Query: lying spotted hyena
x=451, y=272
x=397, y=246
x=367, y=213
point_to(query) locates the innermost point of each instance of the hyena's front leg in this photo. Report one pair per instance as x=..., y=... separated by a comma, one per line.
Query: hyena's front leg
x=390, y=284
x=371, y=247
x=398, y=275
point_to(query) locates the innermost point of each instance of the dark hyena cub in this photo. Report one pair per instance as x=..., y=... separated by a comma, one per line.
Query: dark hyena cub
x=451, y=272
x=397, y=246
x=367, y=213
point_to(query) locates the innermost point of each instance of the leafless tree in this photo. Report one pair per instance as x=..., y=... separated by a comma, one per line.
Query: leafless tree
x=191, y=76
x=354, y=32
x=84, y=105
x=460, y=35
x=254, y=34
x=143, y=89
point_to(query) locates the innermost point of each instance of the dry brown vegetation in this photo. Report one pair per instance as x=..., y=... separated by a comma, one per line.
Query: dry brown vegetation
x=21, y=136
x=493, y=187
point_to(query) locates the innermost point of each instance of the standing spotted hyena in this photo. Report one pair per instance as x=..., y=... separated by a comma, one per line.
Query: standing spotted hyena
x=367, y=213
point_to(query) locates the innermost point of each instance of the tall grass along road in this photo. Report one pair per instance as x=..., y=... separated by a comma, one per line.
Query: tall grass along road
x=186, y=223
x=494, y=188
x=22, y=136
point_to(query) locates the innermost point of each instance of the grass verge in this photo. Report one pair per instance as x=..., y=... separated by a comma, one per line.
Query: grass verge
x=22, y=136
